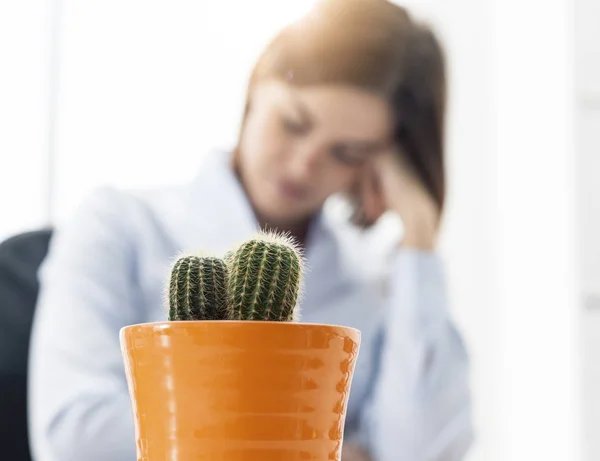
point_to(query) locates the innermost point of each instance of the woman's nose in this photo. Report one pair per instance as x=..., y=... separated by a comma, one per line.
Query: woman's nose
x=304, y=163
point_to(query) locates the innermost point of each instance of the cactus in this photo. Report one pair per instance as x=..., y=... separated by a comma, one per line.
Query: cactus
x=265, y=278
x=198, y=289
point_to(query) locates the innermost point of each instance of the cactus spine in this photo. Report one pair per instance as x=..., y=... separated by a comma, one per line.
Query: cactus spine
x=265, y=279
x=198, y=289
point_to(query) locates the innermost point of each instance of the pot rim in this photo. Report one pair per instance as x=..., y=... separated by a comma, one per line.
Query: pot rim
x=162, y=324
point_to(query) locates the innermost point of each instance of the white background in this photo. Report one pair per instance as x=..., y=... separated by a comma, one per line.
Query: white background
x=134, y=93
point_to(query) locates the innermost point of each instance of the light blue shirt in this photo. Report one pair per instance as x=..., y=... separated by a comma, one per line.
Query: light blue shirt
x=410, y=398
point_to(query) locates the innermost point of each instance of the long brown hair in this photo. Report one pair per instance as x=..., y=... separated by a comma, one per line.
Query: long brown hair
x=377, y=46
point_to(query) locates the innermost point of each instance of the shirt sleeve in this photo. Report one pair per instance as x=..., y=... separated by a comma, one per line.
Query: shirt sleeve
x=79, y=407
x=419, y=406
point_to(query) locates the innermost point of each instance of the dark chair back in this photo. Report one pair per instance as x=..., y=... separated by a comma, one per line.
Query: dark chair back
x=20, y=258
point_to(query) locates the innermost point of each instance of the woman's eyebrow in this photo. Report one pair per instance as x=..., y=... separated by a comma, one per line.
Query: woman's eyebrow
x=301, y=109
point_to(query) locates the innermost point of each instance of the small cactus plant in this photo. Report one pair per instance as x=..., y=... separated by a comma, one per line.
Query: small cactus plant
x=265, y=276
x=198, y=289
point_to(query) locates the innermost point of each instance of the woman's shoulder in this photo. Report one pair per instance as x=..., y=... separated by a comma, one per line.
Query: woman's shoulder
x=179, y=216
x=133, y=201
x=123, y=207
x=120, y=220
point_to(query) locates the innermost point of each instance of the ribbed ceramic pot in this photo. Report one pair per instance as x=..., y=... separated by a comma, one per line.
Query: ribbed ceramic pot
x=239, y=390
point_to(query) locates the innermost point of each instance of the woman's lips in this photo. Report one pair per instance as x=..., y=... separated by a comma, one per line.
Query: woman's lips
x=291, y=190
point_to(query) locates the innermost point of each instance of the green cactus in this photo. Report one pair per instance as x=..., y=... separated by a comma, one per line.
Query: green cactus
x=265, y=279
x=198, y=289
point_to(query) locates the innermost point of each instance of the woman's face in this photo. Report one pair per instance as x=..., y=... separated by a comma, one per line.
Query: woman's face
x=302, y=144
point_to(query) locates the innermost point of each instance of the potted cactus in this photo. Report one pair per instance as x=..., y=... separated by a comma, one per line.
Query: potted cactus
x=233, y=374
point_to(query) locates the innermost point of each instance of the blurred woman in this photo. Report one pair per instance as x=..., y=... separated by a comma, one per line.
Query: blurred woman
x=349, y=100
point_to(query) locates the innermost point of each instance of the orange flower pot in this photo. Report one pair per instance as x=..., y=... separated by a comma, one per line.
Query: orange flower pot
x=239, y=390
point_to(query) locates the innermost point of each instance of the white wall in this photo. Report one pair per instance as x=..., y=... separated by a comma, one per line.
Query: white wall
x=24, y=114
x=536, y=229
x=587, y=60
x=147, y=88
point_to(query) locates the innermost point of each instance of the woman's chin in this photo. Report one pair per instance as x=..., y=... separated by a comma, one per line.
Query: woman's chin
x=282, y=215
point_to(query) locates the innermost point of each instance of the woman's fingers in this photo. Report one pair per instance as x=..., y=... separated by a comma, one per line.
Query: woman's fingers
x=407, y=196
x=401, y=188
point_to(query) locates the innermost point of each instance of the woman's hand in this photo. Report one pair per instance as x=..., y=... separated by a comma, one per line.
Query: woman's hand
x=389, y=184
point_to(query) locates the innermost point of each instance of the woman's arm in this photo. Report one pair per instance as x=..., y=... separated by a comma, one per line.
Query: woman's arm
x=420, y=406
x=79, y=403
